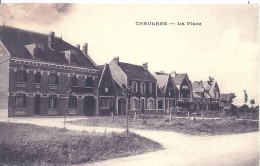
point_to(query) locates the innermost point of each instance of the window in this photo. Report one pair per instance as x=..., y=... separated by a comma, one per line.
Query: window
x=107, y=84
x=52, y=103
x=134, y=87
x=150, y=104
x=160, y=104
x=72, y=102
x=215, y=94
x=74, y=80
x=150, y=88
x=21, y=76
x=89, y=82
x=20, y=100
x=106, y=102
x=53, y=78
x=134, y=104
x=143, y=88
x=37, y=77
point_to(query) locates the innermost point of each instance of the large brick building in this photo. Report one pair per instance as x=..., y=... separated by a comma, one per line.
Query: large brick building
x=35, y=69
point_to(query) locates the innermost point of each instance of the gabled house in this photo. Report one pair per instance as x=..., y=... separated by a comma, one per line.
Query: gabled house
x=184, y=86
x=142, y=83
x=206, y=95
x=169, y=90
x=34, y=72
x=106, y=90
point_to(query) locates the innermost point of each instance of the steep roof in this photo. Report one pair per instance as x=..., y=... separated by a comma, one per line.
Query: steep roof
x=162, y=80
x=136, y=72
x=179, y=78
x=15, y=40
x=100, y=70
x=197, y=86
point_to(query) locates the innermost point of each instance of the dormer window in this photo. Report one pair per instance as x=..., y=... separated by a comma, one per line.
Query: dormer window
x=70, y=55
x=35, y=49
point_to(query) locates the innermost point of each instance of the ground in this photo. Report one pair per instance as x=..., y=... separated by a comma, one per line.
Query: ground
x=179, y=149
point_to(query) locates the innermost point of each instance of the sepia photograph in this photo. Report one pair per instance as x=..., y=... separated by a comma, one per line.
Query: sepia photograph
x=148, y=83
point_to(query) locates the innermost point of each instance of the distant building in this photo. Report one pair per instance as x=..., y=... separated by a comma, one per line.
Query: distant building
x=35, y=70
x=142, y=82
x=185, y=95
x=168, y=92
x=206, y=95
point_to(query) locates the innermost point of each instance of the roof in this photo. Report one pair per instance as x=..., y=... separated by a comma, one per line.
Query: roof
x=100, y=70
x=197, y=86
x=179, y=78
x=224, y=96
x=162, y=80
x=15, y=40
x=136, y=72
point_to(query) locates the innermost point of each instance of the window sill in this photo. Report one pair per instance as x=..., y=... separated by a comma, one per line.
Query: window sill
x=53, y=86
x=20, y=111
x=37, y=85
x=21, y=84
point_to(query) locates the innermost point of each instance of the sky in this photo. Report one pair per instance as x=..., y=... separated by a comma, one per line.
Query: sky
x=225, y=46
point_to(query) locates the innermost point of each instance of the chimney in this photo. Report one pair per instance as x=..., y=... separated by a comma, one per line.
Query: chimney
x=116, y=59
x=145, y=66
x=51, y=42
x=173, y=74
x=85, y=48
x=78, y=46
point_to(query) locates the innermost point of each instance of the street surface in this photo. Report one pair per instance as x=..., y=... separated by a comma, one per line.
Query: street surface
x=179, y=149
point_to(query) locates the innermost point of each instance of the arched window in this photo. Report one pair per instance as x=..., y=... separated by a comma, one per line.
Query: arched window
x=89, y=82
x=134, y=87
x=52, y=102
x=150, y=104
x=53, y=78
x=72, y=102
x=37, y=77
x=134, y=104
x=21, y=76
x=20, y=100
x=143, y=88
x=160, y=104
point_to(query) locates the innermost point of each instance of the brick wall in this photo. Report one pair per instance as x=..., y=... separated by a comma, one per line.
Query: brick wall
x=4, y=75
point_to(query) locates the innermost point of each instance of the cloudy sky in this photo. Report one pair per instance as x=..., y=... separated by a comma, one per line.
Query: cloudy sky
x=225, y=46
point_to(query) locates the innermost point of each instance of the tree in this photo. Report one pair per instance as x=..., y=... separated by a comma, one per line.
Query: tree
x=245, y=100
x=252, y=102
x=127, y=91
x=210, y=81
x=231, y=98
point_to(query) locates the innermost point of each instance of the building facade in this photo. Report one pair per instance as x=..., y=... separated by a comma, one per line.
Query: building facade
x=169, y=91
x=35, y=72
x=142, y=83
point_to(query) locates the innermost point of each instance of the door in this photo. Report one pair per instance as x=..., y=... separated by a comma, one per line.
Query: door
x=121, y=107
x=89, y=106
x=37, y=101
x=142, y=105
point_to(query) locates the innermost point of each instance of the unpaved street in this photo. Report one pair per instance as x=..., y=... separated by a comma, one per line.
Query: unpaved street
x=180, y=150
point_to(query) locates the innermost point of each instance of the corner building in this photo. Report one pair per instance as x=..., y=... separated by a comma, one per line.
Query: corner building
x=35, y=69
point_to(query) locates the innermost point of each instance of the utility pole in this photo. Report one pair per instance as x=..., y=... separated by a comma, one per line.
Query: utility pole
x=127, y=91
x=69, y=91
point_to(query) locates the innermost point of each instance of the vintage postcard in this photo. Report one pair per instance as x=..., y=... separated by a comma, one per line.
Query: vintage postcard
x=129, y=83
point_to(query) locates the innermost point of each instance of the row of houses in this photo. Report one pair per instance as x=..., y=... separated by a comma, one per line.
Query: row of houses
x=35, y=69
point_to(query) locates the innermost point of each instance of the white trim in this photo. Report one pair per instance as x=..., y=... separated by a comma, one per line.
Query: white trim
x=8, y=53
x=55, y=65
